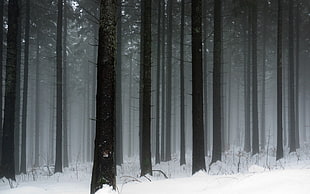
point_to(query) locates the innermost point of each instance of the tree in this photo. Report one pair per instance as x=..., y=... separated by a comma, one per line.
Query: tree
x=217, y=68
x=197, y=88
x=291, y=80
x=59, y=106
x=104, y=161
x=279, y=153
x=25, y=90
x=182, y=88
x=7, y=168
x=1, y=72
x=37, y=113
x=145, y=160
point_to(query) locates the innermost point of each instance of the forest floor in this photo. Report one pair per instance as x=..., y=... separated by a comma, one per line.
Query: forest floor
x=239, y=173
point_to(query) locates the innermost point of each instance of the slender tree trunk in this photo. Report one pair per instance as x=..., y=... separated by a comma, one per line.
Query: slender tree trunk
x=7, y=163
x=163, y=84
x=197, y=89
x=37, y=113
x=145, y=160
x=157, y=154
x=104, y=162
x=169, y=80
x=1, y=74
x=59, y=86
x=217, y=70
x=297, y=72
x=130, y=129
x=291, y=109
x=263, y=111
x=255, y=135
x=182, y=88
x=205, y=75
x=23, y=166
x=65, y=88
x=119, y=127
x=279, y=153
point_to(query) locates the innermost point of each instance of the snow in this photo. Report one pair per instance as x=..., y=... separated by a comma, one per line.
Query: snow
x=256, y=175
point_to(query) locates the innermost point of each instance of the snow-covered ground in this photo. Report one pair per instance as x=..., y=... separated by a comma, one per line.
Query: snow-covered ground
x=238, y=174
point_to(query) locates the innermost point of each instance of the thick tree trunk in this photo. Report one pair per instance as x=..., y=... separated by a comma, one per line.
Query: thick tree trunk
x=279, y=153
x=119, y=127
x=23, y=167
x=182, y=88
x=59, y=87
x=217, y=70
x=1, y=74
x=197, y=89
x=145, y=160
x=7, y=168
x=104, y=161
x=255, y=135
x=291, y=107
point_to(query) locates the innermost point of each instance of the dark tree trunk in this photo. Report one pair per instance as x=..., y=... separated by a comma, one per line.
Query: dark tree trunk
x=104, y=161
x=37, y=113
x=7, y=163
x=145, y=160
x=1, y=72
x=23, y=166
x=205, y=75
x=182, y=88
x=119, y=127
x=65, y=88
x=157, y=154
x=169, y=81
x=297, y=72
x=197, y=89
x=217, y=70
x=255, y=136
x=279, y=153
x=163, y=84
x=291, y=79
x=59, y=87
x=17, y=103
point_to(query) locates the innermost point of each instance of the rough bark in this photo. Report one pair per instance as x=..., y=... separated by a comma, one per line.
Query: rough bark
x=104, y=161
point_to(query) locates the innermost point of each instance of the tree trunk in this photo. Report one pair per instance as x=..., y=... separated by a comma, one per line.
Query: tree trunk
x=65, y=88
x=255, y=135
x=119, y=127
x=205, y=75
x=1, y=76
x=104, y=162
x=145, y=160
x=37, y=112
x=23, y=167
x=217, y=70
x=59, y=86
x=297, y=72
x=197, y=89
x=279, y=153
x=7, y=163
x=157, y=154
x=182, y=88
x=291, y=107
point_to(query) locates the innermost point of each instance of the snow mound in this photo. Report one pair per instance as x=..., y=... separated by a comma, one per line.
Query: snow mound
x=106, y=190
x=256, y=169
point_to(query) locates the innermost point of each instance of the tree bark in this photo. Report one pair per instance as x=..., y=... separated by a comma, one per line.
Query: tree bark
x=1, y=74
x=217, y=70
x=59, y=92
x=37, y=106
x=7, y=163
x=197, y=89
x=182, y=88
x=104, y=161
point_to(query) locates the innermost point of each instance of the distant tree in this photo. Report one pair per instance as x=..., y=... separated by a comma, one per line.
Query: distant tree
x=217, y=70
x=104, y=161
x=145, y=160
x=7, y=168
x=37, y=105
x=279, y=153
x=23, y=167
x=59, y=87
x=197, y=88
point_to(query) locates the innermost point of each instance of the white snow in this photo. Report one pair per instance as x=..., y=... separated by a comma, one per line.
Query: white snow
x=256, y=176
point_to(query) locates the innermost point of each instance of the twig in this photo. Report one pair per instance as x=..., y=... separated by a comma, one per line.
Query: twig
x=161, y=173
